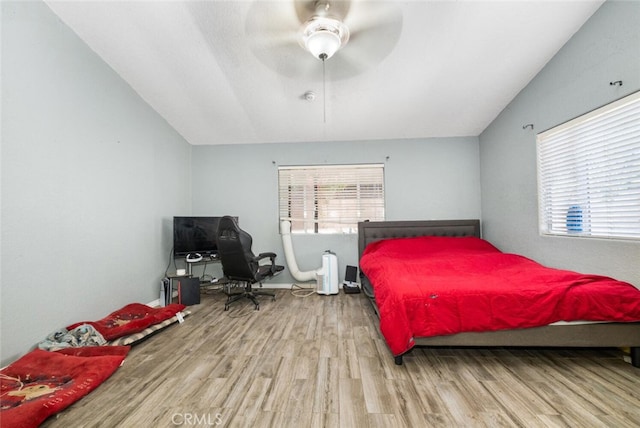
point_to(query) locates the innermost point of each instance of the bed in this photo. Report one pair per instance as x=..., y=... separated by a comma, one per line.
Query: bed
x=625, y=334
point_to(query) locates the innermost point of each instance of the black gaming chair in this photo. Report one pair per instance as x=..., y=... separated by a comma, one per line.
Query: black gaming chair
x=239, y=264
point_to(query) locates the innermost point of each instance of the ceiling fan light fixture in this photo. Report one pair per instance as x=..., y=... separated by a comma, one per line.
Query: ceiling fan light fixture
x=323, y=44
x=323, y=36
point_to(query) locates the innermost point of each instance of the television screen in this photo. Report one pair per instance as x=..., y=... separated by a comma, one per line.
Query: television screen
x=195, y=235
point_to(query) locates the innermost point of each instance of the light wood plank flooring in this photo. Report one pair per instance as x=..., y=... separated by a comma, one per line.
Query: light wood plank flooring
x=320, y=361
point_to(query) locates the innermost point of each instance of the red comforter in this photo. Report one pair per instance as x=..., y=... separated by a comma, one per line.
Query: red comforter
x=432, y=286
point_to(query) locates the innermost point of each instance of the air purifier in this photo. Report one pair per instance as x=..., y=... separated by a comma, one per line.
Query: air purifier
x=328, y=276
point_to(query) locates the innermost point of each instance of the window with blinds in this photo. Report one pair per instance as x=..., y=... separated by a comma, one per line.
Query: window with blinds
x=330, y=198
x=589, y=173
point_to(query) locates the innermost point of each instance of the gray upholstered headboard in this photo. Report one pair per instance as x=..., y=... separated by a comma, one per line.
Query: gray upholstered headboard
x=371, y=231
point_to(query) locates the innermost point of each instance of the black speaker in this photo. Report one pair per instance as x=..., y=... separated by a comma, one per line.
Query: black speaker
x=189, y=291
x=349, y=286
x=351, y=275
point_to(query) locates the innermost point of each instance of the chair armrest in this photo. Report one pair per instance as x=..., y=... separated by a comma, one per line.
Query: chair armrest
x=261, y=256
x=271, y=257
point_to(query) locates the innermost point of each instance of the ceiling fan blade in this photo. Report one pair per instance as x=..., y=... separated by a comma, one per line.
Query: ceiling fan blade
x=267, y=20
x=272, y=29
x=375, y=29
x=367, y=15
x=344, y=66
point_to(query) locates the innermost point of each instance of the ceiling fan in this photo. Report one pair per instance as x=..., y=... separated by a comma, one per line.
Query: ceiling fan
x=324, y=32
x=354, y=35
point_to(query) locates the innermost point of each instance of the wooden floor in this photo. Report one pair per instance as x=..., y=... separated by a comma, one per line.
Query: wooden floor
x=320, y=361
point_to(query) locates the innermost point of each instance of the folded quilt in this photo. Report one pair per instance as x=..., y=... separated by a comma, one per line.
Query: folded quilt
x=132, y=318
x=135, y=338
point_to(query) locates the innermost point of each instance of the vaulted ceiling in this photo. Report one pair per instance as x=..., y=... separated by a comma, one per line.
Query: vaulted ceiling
x=232, y=72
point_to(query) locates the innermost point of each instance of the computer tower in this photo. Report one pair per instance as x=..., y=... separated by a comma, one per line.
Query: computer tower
x=189, y=291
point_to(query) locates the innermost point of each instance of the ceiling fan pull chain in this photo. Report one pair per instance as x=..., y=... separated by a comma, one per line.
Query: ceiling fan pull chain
x=324, y=90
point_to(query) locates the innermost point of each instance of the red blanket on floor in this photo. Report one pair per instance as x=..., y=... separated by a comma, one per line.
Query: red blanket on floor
x=43, y=383
x=432, y=286
x=132, y=318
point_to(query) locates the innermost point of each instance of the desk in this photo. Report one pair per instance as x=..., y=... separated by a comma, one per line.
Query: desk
x=204, y=260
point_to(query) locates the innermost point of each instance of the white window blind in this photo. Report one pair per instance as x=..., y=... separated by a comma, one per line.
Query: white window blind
x=589, y=173
x=330, y=198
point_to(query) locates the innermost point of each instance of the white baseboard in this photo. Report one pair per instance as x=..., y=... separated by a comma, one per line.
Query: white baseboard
x=156, y=303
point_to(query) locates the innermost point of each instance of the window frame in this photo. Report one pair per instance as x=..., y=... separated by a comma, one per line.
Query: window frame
x=589, y=166
x=331, y=199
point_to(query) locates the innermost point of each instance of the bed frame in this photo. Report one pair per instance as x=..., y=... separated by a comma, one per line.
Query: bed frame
x=558, y=335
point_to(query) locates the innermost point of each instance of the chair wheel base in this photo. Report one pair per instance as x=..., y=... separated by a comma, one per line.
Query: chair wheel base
x=248, y=294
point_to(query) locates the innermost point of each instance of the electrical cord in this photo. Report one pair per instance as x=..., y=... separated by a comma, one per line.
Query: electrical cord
x=204, y=274
x=166, y=271
x=299, y=291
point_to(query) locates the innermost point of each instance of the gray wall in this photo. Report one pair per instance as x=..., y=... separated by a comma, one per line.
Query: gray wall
x=91, y=177
x=435, y=178
x=575, y=81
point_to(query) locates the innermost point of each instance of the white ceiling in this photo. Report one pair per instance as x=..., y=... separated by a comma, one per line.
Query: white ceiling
x=218, y=73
